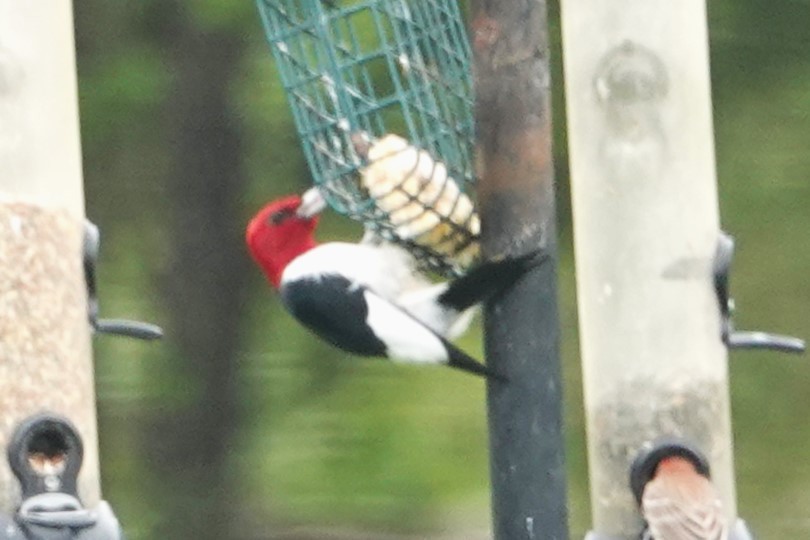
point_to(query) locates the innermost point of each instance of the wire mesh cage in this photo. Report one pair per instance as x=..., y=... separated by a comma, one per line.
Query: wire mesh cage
x=381, y=95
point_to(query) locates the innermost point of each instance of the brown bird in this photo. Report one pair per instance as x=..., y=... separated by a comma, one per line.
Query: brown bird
x=681, y=503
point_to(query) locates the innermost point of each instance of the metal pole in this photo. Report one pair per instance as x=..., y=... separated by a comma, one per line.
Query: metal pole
x=646, y=228
x=516, y=198
x=45, y=356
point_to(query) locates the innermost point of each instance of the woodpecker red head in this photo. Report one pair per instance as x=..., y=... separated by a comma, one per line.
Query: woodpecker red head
x=283, y=230
x=369, y=299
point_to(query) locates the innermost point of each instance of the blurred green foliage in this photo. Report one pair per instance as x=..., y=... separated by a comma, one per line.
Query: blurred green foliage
x=325, y=441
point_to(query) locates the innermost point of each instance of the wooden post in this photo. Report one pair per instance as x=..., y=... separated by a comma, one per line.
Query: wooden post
x=516, y=198
x=45, y=355
x=646, y=228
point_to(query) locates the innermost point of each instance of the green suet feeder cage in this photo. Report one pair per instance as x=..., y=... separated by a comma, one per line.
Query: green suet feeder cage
x=357, y=71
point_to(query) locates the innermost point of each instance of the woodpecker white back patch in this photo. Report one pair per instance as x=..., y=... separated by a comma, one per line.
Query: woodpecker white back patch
x=388, y=270
x=444, y=320
x=405, y=338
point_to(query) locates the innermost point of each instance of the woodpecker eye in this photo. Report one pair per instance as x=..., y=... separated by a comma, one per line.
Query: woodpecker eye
x=281, y=215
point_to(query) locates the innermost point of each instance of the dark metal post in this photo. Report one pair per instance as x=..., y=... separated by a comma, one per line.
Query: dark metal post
x=516, y=198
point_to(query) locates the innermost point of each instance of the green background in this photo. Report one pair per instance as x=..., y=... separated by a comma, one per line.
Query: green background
x=241, y=425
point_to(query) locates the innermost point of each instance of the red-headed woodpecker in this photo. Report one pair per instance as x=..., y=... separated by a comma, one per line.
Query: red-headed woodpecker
x=369, y=299
x=681, y=503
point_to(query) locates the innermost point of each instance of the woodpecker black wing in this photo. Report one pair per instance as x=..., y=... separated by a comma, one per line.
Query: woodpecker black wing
x=357, y=320
x=461, y=360
x=488, y=279
x=333, y=307
x=445, y=308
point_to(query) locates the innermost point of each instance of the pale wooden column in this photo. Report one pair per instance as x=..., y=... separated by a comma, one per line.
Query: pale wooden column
x=45, y=353
x=646, y=227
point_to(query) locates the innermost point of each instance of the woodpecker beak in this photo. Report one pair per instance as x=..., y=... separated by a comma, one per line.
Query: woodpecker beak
x=312, y=203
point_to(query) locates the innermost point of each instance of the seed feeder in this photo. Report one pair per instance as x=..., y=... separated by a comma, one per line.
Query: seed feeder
x=381, y=95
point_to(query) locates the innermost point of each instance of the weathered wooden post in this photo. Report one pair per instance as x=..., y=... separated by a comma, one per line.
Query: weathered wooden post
x=646, y=228
x=516, y=197
x=45, y=355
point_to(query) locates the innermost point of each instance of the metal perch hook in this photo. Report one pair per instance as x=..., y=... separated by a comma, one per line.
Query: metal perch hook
x=45, y=453
x=737, y=339
x=118, y=327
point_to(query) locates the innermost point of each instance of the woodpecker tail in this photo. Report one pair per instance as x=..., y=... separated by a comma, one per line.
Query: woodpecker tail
x=489, y=279
x=460, y=360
